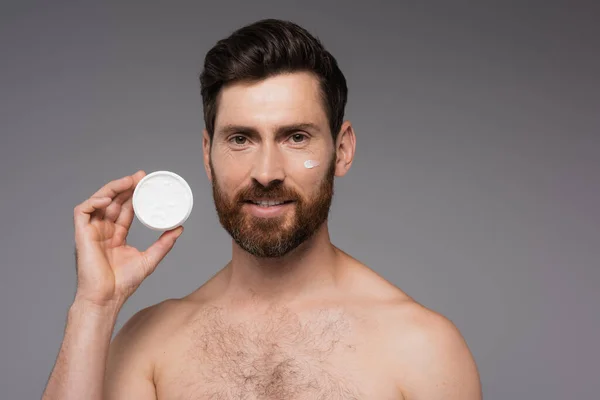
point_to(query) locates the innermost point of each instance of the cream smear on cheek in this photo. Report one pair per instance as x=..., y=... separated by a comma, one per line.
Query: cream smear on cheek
x=311, y=164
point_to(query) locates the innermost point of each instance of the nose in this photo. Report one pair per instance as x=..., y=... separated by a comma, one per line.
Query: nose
x=268, y=166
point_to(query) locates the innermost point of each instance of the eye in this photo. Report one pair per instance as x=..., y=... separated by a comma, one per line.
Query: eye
x=238, y=140
x=298, y=138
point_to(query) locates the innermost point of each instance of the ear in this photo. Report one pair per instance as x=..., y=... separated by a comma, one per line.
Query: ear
x=345, y=147
x=206, y=144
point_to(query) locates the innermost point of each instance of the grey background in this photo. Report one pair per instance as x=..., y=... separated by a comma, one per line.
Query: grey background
x=475, y=187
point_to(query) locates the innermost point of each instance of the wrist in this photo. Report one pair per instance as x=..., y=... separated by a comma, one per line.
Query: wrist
x=85, y=307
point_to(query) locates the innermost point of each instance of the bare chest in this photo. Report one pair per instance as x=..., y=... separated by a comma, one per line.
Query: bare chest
x=325, y=355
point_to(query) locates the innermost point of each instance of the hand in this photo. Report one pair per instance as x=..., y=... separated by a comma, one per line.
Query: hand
x=109, y=270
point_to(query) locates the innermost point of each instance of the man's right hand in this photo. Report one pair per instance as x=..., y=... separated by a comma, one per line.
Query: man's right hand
x=109, y=270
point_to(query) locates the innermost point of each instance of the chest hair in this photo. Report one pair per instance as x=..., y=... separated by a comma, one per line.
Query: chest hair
x=279, y=355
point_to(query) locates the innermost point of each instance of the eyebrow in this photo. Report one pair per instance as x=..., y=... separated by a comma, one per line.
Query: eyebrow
x=281, y=130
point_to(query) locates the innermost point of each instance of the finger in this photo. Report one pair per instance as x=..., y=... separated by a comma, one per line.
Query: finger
x=138, y=176
x=120, y=236
x=123, y=212
x=159, y=249
x=126, y=214
x=82, y=212
x=113, y=188
x=124, y=221
x=113, y=210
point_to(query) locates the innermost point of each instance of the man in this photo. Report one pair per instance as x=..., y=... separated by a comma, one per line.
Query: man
x=291, y=316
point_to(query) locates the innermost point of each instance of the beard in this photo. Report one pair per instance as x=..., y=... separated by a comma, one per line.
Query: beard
x=276, y=236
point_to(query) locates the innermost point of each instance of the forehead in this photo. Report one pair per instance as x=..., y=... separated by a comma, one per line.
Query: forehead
x=274, y=101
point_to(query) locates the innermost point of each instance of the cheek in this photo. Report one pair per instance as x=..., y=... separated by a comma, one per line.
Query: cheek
x=306, y=163
x=306, y=180
x=228, y=169
x=297, y=167
x=303, y=168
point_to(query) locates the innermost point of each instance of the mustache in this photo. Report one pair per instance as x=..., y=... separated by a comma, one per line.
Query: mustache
x=274, y=191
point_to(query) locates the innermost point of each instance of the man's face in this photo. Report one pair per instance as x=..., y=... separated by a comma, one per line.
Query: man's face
x=264, y=132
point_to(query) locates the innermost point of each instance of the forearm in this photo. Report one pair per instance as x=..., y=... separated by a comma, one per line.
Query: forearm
x=81, y=362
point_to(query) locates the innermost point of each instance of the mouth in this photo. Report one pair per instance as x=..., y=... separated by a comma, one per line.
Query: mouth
x=268, y=203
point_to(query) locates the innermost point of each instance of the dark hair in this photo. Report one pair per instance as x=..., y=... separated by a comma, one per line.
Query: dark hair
x=266, y=48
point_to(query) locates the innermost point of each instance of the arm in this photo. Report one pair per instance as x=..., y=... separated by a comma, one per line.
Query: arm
x=108, y=273
x=87, y=357
x=79, y=369
x=439, y=365
x=129, y=368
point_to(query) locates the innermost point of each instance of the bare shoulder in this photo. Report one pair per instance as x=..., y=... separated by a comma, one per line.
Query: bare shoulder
x=429, y=353
x=135, y=348
x=423, y=348
x=158, y=323
x=153, y=323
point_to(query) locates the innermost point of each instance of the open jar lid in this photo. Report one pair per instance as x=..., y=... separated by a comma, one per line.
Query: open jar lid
x=162, y=200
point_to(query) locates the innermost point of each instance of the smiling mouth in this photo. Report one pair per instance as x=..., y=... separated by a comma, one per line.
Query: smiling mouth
x=268, y=203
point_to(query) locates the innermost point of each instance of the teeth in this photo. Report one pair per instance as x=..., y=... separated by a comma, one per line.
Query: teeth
x=268, y=203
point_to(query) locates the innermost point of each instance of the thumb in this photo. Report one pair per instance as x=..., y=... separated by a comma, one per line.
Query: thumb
x=159, y=249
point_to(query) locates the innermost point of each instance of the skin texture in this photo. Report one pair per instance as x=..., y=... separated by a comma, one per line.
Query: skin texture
x=310, y=323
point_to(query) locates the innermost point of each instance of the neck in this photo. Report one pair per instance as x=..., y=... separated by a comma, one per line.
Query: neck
x=308, y=268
